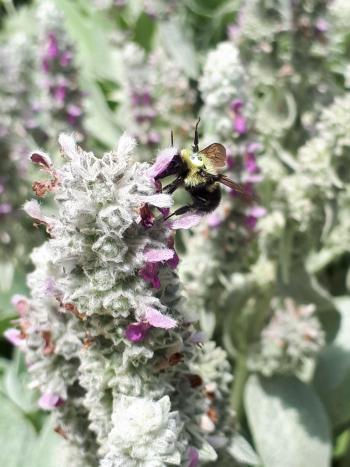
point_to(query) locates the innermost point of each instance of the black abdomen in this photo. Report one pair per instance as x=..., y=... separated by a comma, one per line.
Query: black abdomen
x=205, y=197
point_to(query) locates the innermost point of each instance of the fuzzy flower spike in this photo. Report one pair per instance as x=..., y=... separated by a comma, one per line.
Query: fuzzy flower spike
x=106, y=336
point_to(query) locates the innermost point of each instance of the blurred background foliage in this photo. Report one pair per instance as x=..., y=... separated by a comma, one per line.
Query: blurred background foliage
x=270, y=79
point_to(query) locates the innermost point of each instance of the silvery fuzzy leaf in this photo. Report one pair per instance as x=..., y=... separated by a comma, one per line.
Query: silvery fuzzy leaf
x=288, y=422
x=332, y=375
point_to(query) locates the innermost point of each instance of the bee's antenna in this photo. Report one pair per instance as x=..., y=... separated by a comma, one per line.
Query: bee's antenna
x=171, y=138
x=196, y=137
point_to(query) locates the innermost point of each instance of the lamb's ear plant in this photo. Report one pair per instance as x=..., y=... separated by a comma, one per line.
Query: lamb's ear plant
x=267, y=285
x=108, y=340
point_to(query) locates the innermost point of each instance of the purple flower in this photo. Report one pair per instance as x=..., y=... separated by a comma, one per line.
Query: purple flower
x=174, y=261
x=215, y=219
x=186, y=221
x=52, y=47
x=233, y=31
x=237, y=105
x=15, y=336
x=66, y=58
x=157, y=255
x=230, y=161
x=141, y=98
x=250, y=163
x=321, y=25
x=156, y=319
x=164, y=211
x=20, y=302
x=193, y=457
x=146, y=216
x=153, y=137
x=60, y=93
x=73, y=113
x=253, y=215
x=149, y=273
x=5, y=208
x=240, y=124
x=49, y=401
x=136, y=332
x=162, y=162
x=239, y=121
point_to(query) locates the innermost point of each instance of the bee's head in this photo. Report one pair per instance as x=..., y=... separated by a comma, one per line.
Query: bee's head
x=192, y=159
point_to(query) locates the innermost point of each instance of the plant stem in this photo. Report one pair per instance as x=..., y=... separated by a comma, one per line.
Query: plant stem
x=241, y=373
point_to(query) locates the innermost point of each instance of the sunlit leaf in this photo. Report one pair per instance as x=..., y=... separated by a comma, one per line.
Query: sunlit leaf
x=288, y=422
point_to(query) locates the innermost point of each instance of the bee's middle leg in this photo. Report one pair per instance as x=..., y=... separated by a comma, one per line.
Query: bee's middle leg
x=180, y=211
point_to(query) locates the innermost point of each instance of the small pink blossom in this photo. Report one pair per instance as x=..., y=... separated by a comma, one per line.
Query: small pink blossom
x=157, y=255
x=21, y=303
x=257, y=211
x=186, y=221
x=162, y=162
x=49, y=401
x=240, y=124
x=215, y=219
x=156, y=319
x=52, y=47
x=73, y=113
x=32, y=208
x=253, y=214
x=15, y=336
x=5, y=208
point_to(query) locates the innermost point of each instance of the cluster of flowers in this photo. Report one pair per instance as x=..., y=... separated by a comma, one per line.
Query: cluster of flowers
x=290, y=74
x=292, y=337
x=39, y=98
x=155, y=102
x=303, y=185
x=108, y=339
x=19, y=125
x=60, y=80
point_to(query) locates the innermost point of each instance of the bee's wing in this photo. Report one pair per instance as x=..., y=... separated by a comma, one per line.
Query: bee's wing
x=235, y=187
x=216, y=154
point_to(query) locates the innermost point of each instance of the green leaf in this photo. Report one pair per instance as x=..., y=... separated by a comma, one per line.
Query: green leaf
x=288, y=422
x=99, y=118
x=16, y=382
x=175, y=38
x=241, y=450
x=17, y=435
x=144, y=31
x=50, y=449
x=332, y=375
x=89, y=30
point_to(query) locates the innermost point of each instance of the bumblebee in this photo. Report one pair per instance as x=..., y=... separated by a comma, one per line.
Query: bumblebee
x=197, y=172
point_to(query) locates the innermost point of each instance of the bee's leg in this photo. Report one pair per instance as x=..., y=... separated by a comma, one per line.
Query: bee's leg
x=180, y=211
x=173, y=185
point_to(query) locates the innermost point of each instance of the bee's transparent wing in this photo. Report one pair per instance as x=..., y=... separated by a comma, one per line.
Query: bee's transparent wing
x=235, y=187
x=215, y=154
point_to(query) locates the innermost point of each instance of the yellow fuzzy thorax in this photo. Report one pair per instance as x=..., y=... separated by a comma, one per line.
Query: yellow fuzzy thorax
x=195, y=162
